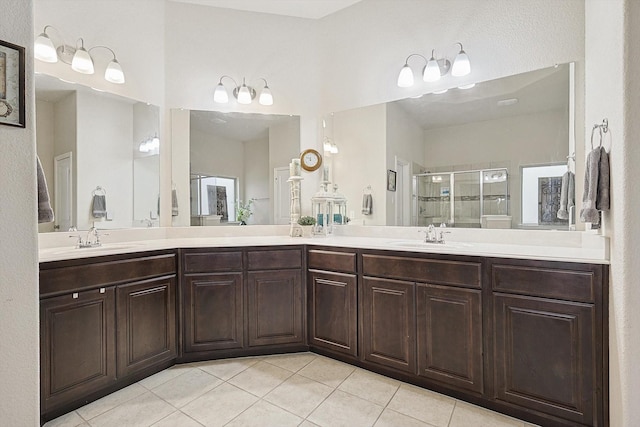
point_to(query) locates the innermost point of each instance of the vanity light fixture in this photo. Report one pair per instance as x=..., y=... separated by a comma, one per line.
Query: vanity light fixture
x=149, y=144
x=243, y=93
x=435, y=69
x=79, y=58
x=469, y=86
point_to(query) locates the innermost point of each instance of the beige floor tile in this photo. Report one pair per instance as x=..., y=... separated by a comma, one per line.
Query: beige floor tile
x=307, y=423
x=291, y=362
x=373, y=387
x=101, y=406
x=327, y=371
x=391, y=418
x=226, y=369
x=141, y=411
x=344, y=409
x=264, y=414
x=260, y=378
x=424, y=405
x=220, y=405
x=185, y=388
x=466, y=415
x=299, y=395
x=163, y=376
x=177, y=419
x=72, y=419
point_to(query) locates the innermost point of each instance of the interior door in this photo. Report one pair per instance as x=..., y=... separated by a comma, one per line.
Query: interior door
x=281, y=213
x=63, y=191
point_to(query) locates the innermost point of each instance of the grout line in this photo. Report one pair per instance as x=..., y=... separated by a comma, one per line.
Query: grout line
x=455, y=403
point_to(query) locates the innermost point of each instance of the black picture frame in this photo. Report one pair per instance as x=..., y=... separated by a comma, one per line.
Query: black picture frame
x=391, y=180
x=12, y=84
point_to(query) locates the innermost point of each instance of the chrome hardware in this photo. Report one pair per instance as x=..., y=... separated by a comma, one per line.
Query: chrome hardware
x=433, y=236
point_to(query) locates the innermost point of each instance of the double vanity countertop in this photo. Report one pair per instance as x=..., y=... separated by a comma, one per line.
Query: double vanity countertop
x=583, y=247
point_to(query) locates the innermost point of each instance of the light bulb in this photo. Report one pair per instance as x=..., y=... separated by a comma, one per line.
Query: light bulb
x=244, y=95
x=405, y=78
x=114, y=73
x=82, y=62
x=220, y=95
x=334, y=149
x=431, y=71
x=44, y=49
x=265, y=96
x=461, y=65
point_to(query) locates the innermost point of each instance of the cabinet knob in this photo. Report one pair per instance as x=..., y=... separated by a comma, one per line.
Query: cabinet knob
x=102, y=290
x=75, y=295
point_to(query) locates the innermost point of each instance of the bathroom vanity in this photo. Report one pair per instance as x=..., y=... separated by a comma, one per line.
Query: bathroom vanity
x=526, y=337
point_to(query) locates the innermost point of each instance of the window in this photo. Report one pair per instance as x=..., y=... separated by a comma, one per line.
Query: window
x=214, y=195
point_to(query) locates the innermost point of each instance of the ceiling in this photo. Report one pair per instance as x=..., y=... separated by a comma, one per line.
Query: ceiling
x=536, y=91
x=311, y=9
x=236, y=126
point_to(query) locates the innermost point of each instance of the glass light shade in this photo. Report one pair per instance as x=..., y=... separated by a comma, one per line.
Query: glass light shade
x=327, y=145
x=44, y=49
x=220, y=95
x=431, y=72
x=114, y=73
x=82, y=62
x=144, y=147
x=405, y=78
x=334, y=149
x=155, y=143
x=244, y=95
x=265, y=96
x=469, y=86
x=461, y=65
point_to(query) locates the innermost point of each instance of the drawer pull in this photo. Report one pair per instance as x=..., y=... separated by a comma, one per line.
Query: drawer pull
x=75, y=295
x=102, y=290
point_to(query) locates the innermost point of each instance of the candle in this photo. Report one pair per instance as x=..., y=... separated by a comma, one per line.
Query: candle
x=325, y=177
x=294, y=167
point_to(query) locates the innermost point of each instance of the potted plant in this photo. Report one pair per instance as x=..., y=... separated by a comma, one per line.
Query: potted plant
x=244, y=211
x=307, y=223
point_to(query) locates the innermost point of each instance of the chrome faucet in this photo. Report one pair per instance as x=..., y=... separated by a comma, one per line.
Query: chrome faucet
x=92, y=240
x=433, y=236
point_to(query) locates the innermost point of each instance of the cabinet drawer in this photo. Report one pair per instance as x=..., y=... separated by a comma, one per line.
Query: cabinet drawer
x=332, y=261
x=460, y=273
x=210, y=262
x=274, y=259
x=545, y=281
x=56, y=281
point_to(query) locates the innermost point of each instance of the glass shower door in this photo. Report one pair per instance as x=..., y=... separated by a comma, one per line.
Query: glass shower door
x=467, y=197
x=433, y=204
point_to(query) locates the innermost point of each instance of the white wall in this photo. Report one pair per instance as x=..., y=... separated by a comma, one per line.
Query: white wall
x=284, y=145
x=19, y=331
x=45, y=137
x=361, y=136
x=146, y=166
x=104, y=158
x=256, y=183
x=216, y=155
x=405, y=141
x=612, y=90
x=65, y=138
x=178, y=148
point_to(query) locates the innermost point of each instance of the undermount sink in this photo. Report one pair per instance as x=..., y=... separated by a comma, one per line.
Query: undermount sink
x=103, y=248
x=420, y=244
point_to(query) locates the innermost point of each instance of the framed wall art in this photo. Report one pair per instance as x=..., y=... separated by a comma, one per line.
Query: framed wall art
x=11, y=84
x=391, y=180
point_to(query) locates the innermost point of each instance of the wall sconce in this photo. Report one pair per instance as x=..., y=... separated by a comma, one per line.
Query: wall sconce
x=434, y=68
x=149, y=145
x=329, y=146
x=244, y=94
x=79, y=58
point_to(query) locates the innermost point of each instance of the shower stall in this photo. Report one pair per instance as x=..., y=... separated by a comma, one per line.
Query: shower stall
x=472, y=199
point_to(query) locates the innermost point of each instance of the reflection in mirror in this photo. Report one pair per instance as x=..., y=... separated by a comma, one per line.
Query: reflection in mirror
x=240, y=160
x=88, y=139
x=459, y=136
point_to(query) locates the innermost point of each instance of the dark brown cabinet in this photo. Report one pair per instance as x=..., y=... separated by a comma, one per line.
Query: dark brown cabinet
x=388, y=323
x=449, y=336
x=275, y=307
x=77, y=346
x=146, y=319
x=213, y=312
x=333, y=312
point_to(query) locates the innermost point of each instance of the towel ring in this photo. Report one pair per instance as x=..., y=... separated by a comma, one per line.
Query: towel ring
x=99, y=191
x=599, y=127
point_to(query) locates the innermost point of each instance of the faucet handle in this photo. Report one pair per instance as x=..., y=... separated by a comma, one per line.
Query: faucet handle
x=441, y=236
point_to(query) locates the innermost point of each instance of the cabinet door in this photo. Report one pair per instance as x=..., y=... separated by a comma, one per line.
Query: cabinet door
x=213, y=312
x=388, y=323
x=146, y=324
x=77, y=346
x=449, y=331
x=333, y=312
x=544, y=355
x=275, y=307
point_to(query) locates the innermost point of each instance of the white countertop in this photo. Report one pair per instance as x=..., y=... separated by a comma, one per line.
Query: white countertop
x=565, y=246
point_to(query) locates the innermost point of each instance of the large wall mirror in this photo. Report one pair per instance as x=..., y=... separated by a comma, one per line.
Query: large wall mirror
x=100, y=155
x=459, y=155
x=240, y=160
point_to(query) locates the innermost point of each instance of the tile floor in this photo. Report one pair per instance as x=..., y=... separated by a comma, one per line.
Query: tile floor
x=301, y=389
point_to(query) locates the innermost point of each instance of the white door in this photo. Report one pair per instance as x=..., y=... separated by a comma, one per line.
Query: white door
x=403, y=192
x=281, y=203
x=63, y=191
